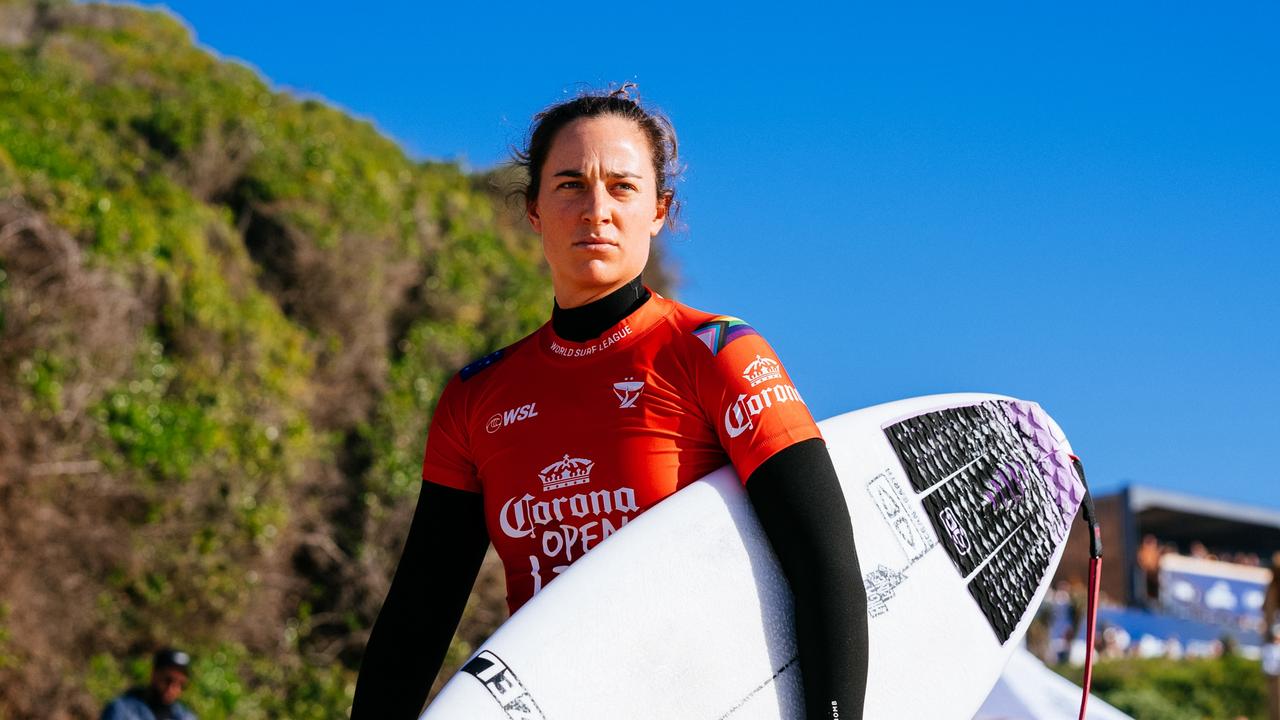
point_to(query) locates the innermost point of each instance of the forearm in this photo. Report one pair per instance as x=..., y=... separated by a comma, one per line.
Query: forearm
x=401, y=658
x=797, y=497
x=411, y=635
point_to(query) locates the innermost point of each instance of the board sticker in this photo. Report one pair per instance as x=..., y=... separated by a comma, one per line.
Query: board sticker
x=899, y=514
x=504, y=686
x=880, y=584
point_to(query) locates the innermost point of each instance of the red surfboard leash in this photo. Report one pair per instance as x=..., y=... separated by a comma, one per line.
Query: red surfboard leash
x=1095, y=583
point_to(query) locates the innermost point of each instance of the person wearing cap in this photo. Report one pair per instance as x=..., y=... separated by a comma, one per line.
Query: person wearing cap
x=170, y=671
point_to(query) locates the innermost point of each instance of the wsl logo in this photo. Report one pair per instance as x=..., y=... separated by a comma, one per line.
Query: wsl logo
x=514, y=415
x=566, y=472
x=628, y=392
x=762, y=370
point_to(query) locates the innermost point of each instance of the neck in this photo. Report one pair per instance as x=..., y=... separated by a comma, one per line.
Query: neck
x=591, y=320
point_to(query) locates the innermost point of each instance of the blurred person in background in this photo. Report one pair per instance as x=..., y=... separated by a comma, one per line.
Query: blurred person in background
x=1076, y=605
x=1271, y=640
x=1271, y=674
x=1149, y=563
x=1039, y=640
x=170, y=673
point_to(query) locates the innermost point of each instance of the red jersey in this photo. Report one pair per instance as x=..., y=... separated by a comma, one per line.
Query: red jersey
x=568, y=441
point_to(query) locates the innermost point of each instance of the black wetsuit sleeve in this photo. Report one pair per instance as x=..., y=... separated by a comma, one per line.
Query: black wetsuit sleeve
x=797, y=497
x=442, y=556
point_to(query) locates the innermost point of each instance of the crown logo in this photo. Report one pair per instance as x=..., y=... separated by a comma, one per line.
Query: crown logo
x=566, y=472
x=762, y=369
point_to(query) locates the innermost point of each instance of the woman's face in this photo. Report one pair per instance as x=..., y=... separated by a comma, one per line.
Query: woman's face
x=597, y=207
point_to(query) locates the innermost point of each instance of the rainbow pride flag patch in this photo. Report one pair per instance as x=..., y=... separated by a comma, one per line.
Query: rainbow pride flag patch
x=715, y=334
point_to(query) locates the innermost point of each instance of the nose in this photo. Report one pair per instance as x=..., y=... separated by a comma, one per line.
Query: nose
x=596, y=206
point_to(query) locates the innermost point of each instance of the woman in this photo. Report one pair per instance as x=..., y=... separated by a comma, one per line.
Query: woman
x=622, y=391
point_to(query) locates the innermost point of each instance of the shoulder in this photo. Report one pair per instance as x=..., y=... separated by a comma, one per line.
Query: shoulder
x=476, y=368
x=478, y=378
x=713, y=331
x=123, y=707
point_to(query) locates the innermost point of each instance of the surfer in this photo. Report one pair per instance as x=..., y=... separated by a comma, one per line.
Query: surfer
x=549, y=445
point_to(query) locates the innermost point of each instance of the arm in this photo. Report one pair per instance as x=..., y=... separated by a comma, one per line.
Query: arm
x=797, y=496
x=442, y=555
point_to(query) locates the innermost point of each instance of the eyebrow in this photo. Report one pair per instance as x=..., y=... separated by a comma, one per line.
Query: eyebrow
x=579, y=173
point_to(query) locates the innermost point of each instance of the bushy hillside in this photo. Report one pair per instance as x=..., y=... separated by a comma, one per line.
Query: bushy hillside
x=225, y=316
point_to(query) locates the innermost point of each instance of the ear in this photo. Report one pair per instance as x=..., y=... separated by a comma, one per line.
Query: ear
x=660, y=215
x=531, y=212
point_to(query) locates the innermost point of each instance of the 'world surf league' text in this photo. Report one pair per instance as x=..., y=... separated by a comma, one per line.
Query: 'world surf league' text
x=602, y=344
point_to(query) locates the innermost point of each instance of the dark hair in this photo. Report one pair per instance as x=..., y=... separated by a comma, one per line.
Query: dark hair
x=664, y=148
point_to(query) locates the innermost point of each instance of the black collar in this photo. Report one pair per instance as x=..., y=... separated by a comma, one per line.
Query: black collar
x=591, y=320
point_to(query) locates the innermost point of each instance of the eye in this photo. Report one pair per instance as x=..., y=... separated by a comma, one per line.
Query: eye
x=569, y=185
x=625, y=186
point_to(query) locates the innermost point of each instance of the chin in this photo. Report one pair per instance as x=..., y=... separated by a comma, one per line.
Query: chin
x=591, y=281
x=595, y=274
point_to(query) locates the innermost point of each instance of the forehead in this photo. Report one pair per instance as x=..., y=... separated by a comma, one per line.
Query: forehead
x=613, y=140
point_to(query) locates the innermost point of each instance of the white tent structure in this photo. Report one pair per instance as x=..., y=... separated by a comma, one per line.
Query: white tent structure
x=1028, y=690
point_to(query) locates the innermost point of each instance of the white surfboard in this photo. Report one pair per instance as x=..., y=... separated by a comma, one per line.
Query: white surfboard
x=960, y=507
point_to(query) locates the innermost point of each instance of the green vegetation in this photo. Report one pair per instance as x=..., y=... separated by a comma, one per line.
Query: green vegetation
x=229, y=683
x=1160, y=689
x=6, y=660
x=225, y=317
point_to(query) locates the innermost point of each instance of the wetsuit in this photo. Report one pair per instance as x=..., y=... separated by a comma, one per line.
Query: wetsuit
x=557, y=441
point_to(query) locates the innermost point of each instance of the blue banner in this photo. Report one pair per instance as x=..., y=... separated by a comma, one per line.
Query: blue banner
x=1213, y=592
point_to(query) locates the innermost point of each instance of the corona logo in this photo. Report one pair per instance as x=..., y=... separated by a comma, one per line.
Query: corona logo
x=738, y=416
x=521, y=517
x=737, y=419
x=761, y=370
x=566, y=472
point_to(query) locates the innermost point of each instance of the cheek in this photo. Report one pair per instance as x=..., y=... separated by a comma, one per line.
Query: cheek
x=640, y=214
x=557, y=216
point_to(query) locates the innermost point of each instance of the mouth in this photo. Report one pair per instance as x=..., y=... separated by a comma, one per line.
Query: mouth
x=595, y=243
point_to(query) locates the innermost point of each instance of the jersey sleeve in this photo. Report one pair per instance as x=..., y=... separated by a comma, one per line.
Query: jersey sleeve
x=747, y=394
x=448, y=460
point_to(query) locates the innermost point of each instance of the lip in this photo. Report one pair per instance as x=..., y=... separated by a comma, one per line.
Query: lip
x=595, y=243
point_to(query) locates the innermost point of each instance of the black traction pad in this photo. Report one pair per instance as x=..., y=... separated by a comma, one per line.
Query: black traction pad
x=990, y=477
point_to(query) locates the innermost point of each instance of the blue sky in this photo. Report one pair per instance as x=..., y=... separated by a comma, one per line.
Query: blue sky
x=1073, y=203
